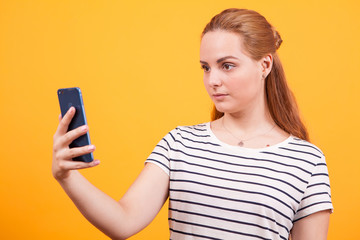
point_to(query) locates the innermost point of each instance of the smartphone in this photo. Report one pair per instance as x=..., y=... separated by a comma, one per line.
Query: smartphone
x=69, y=97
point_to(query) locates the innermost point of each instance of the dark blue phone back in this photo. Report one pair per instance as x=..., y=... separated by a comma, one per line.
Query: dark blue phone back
x=72, y=97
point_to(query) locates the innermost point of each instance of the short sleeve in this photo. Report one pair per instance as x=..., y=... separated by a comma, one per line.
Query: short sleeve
x=317, y=196
x=160, y=156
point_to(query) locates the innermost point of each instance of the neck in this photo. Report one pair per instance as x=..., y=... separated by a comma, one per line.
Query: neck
x=249, y=122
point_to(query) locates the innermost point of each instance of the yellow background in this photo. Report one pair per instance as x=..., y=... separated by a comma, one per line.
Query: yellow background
x=137, y=65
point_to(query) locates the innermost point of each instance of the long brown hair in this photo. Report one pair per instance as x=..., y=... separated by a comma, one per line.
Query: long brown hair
x=259, y=39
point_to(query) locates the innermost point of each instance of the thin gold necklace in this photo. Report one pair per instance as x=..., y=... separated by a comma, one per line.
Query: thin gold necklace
x=241, y=141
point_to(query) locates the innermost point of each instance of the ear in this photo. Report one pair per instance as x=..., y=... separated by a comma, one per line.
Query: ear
x=266, y=63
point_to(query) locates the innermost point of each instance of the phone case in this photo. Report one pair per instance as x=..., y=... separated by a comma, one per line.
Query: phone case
x=72, y=97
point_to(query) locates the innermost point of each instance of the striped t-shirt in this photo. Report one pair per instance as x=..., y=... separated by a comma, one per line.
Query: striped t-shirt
x=220, y=191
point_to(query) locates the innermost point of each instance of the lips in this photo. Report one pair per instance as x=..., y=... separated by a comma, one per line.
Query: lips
x=219, y=95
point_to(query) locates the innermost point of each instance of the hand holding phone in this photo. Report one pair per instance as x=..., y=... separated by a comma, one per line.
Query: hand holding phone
x=72, y=97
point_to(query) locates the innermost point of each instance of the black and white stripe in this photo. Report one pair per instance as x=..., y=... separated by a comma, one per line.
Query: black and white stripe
x=218, y=191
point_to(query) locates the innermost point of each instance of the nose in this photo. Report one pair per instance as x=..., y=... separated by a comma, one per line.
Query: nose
x=214, y=79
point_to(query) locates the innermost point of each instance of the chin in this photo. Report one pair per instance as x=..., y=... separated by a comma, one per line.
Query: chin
x=227, y=110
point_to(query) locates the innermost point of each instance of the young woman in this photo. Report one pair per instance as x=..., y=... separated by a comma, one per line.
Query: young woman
x=249, y=174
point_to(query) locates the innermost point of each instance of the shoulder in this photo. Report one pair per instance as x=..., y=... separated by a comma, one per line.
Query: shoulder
x=305, y=146
x=191, y=134
x=194, y=130
x=198, y=129
x=304, y=150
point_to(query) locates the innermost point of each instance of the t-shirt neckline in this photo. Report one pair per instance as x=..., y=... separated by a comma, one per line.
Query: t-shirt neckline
x=238, y=148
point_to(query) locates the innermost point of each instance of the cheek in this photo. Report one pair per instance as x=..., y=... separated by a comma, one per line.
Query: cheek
x=246, y=85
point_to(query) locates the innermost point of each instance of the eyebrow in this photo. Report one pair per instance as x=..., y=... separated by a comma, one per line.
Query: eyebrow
x=221, y=59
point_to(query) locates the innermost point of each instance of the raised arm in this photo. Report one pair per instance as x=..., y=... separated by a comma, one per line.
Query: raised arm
x=312, y=227
x=118, y=220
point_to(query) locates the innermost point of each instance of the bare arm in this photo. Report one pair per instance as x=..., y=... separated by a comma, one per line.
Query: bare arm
x=118, y=220
x=312, y=227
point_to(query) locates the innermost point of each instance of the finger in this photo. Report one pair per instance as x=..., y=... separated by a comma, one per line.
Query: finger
x=65, y=121
x=71, y=153
x=57, y=130
x=75, y=165
x=70, y=136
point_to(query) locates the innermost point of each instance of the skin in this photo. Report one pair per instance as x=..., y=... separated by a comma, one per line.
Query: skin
x=235, y=83
x=312, y=227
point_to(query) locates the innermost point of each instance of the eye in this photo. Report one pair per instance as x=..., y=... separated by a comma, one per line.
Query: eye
x=205, y=68
x=227, y=66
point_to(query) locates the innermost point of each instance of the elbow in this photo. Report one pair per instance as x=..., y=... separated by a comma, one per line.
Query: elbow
x=118, y=237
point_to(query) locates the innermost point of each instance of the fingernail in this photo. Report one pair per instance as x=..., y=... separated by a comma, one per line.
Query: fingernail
x=96, y=162
x=84, y=128
x=91, y=147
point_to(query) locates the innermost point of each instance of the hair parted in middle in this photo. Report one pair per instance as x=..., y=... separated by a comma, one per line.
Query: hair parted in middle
x=260, y=38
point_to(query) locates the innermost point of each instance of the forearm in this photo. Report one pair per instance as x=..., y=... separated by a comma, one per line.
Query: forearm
x=118, y=220
x=101, y=210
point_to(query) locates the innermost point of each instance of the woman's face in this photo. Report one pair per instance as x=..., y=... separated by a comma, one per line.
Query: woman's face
x=232, y=79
